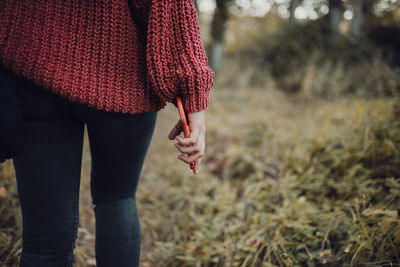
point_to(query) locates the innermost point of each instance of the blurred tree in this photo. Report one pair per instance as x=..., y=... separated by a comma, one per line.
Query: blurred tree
x=218, y=22
x=362, y=18
x=292, y=8
x=335, y=16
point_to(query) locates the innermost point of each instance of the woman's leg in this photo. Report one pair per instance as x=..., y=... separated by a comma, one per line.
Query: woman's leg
x=118, y=144
x=48, y=176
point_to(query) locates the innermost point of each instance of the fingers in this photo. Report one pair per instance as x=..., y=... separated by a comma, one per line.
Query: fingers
x=188, y=149
x=197, y=166
x=191, y=140
x=190, y=158
x=176, y=130
x=192, y=147
x=192, y=153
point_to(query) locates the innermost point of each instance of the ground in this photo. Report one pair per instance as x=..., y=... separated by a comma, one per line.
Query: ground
x=243, y=200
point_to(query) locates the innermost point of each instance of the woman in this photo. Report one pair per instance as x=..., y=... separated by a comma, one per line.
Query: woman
x=110, y=65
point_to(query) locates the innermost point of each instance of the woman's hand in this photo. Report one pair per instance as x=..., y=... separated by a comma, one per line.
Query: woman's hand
x=192, y=148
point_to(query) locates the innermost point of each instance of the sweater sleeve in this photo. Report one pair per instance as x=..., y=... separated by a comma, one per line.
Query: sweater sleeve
x=176, y=60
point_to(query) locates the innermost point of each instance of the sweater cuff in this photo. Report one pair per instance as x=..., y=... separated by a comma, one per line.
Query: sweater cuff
x=196, y=101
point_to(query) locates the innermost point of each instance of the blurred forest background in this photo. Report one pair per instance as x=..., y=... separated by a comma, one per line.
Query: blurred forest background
x=302, y=164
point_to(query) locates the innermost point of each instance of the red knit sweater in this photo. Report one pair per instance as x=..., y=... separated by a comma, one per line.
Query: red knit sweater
x=95, y=53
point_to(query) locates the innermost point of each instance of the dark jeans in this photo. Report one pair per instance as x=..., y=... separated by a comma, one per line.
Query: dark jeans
x=48, y=178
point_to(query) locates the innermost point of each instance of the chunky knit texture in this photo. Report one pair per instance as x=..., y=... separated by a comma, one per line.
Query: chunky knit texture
x=113, y=55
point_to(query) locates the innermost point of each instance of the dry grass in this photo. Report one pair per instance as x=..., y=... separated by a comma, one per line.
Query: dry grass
x=263, y=196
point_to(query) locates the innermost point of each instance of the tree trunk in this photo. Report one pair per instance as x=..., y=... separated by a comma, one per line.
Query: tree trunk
x=292, y=8
x=335, y=16
x=218, y=26
x=361, y=18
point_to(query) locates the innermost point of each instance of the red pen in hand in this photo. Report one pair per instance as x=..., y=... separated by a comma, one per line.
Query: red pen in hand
x=185, y=122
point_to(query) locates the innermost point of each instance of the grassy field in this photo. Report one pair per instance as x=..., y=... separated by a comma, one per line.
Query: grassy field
x=286, y=181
